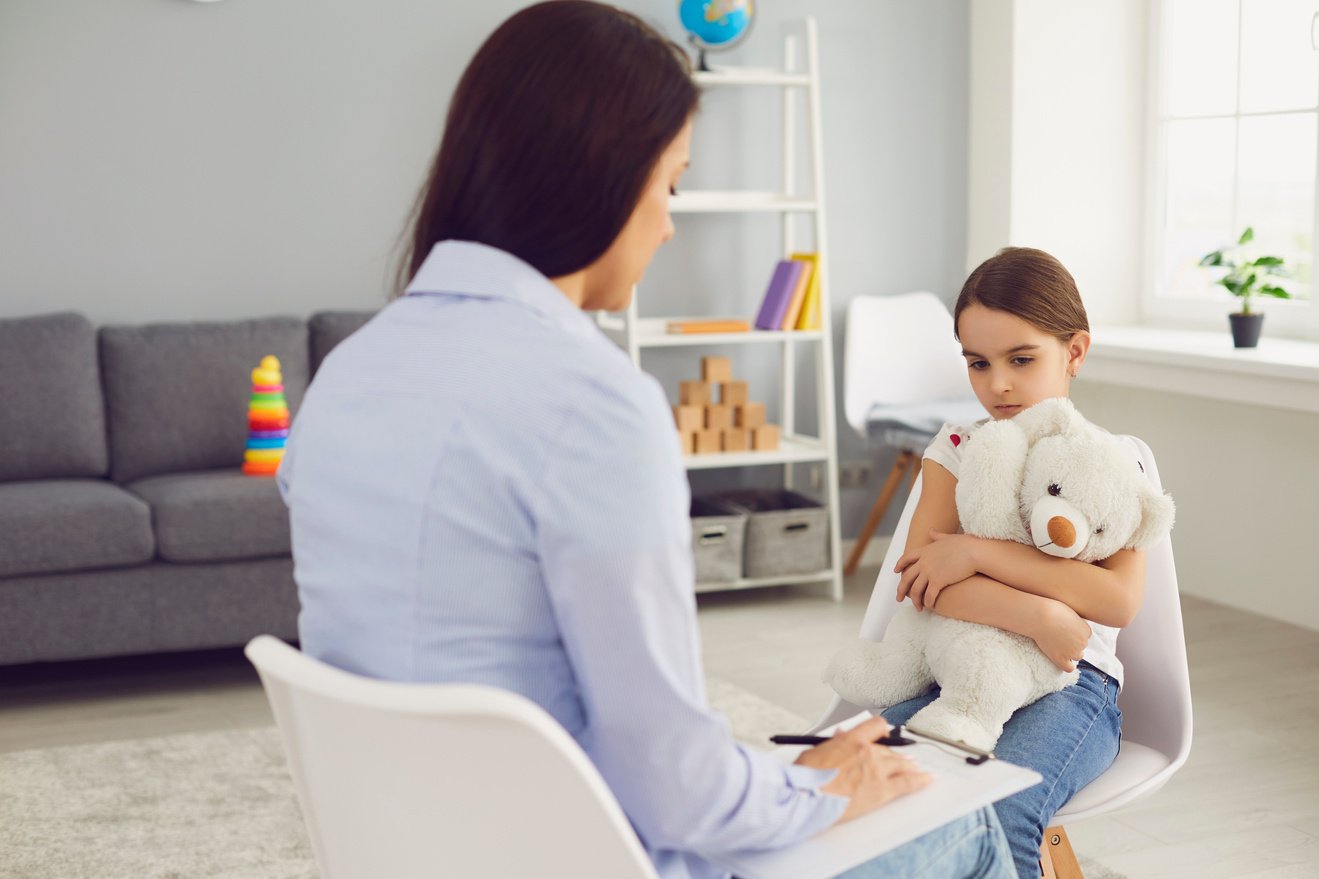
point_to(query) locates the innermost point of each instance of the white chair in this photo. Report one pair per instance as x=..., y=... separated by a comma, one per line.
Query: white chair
x=1155, y=698
x=903, y=377
x=405, y=780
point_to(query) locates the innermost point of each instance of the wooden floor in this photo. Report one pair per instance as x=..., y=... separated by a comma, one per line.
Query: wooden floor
x=1245, y=805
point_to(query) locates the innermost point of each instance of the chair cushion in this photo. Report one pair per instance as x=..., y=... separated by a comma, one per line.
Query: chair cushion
x=52, y=419
x=176, y=394
x=329, y=328
x=218, y=515
x=54, y=525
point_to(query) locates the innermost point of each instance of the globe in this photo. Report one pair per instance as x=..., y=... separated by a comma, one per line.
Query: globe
x=715, y=24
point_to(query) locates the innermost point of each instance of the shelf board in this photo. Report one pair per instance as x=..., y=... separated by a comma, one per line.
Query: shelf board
x=652, y=333
x=757, y=582
x=711, y=201
x=791, y=450
x=749, y=76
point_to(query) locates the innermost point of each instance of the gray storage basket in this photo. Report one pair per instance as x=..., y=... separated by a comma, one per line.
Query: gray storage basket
x=718, y=538
x=787, y=533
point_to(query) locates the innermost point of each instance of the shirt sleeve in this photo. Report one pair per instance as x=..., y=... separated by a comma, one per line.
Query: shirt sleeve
x=614, y=538
x=946, y=450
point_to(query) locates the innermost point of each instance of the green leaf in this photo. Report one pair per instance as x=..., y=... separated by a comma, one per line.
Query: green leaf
x=1233, y=285
x=1267, y=261
x=1275, y=292
x=1247, y=235
x=1213, y=259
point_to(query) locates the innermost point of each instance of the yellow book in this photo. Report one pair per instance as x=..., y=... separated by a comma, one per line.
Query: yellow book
x=809, y=317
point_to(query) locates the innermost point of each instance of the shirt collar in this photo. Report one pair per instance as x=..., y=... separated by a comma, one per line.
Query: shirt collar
x=467, y=268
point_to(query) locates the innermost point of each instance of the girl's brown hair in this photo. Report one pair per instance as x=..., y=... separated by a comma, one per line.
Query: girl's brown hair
x=551, y=136
x=1030, y=284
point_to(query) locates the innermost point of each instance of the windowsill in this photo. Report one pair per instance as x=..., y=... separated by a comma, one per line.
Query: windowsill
x=1283, y=373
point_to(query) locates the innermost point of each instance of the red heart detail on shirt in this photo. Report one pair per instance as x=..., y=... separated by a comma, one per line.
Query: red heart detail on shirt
x=957, y=439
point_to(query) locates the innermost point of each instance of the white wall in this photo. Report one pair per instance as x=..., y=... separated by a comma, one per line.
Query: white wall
x=1071, y=121
x=170, y=160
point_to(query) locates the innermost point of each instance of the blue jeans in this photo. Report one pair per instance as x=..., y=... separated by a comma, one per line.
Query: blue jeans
x=972, y=847
x=1069, y=737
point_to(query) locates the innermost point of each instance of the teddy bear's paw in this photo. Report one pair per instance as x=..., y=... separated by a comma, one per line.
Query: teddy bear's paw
x=876, y=675
x=950, y=724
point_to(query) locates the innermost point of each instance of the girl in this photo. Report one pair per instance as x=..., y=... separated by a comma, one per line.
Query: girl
x=1025, y=335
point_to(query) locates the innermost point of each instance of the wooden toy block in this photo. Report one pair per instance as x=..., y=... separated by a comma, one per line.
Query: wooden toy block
x=749, y=415
x=736, y=439
x=765, y=438
x=716, y=369
x=732, y=393
x=707, y=442
x=718, y=417
x=687, y=439
x=689, y=418
x=694, y=394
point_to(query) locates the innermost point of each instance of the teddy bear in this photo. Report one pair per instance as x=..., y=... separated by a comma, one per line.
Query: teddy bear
x=1046, y=477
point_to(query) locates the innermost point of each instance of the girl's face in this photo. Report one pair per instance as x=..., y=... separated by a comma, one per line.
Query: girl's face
x=1012, y=364
x=610, y=279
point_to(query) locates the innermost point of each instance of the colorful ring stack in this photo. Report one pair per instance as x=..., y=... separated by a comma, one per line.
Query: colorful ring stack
x=267, y=420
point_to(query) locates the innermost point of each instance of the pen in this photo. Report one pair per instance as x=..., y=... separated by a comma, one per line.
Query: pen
x=893, y=739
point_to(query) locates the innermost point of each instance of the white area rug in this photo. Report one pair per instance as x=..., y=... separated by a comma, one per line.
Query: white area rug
x=218, y=805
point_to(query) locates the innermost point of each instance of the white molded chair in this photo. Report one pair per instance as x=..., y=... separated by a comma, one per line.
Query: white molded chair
x=903, y=377
x=1156, y=693
x=405, y=780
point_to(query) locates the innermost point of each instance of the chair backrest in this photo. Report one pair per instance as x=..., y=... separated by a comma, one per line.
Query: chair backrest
x=899, y=350
x=1156, y=691
x=403, y=780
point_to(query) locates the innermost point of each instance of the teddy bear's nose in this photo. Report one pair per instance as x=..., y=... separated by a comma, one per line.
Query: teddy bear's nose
x=1061, y=531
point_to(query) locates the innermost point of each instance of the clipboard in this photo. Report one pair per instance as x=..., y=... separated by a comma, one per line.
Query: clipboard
x=962, y=784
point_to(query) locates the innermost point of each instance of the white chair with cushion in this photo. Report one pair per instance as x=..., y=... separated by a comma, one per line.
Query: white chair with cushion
x=413, y=780
x=903, y=378
x=1155, y=698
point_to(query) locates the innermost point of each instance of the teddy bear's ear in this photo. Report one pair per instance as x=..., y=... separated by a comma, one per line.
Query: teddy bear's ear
x=1156, y=516
x=1049, y=417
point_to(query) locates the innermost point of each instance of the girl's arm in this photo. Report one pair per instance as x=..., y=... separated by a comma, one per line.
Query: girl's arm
x=1058, y=631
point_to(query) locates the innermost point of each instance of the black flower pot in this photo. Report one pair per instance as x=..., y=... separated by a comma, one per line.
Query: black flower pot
x=1245, y=329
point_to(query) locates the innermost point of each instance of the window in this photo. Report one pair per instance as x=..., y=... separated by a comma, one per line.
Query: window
x=1236, y=113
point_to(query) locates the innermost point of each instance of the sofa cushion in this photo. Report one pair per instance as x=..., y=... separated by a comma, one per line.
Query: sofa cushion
x=176, y=394
x=329, y=328
x=214, y=516
x=54, y=525
x=52, y=420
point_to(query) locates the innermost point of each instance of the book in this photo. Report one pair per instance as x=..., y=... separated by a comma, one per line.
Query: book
x=778, y=294
x=707, y=326
x=809, y=317
x=959, y=787
x=798, y=295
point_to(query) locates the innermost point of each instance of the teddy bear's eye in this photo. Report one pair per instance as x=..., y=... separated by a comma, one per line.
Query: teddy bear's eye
x=1099, y=530
x=1055, y=489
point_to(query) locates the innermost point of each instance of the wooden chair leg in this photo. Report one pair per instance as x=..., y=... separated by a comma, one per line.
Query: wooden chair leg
x=877, y=511
x=915, y=472
x=1057, y=860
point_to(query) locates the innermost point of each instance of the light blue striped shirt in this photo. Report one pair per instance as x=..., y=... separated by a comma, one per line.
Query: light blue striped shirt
x=483, y=488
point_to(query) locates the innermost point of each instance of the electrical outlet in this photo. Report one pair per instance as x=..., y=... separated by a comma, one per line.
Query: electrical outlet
x=853, y=474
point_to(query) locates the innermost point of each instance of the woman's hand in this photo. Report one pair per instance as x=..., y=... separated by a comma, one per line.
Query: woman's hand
x=1061, y=634
x=869, y=775
x=945, y=560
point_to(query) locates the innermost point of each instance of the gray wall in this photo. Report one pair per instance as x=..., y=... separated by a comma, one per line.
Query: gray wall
x=164, y=160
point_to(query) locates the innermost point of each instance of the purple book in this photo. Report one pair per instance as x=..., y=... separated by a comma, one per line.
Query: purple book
x=778, y=295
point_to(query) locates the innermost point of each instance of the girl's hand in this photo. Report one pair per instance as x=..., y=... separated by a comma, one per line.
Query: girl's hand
x=927, y=571
x=1061, y=634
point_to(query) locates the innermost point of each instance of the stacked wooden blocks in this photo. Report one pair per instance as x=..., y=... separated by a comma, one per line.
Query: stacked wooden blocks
x=734, y=424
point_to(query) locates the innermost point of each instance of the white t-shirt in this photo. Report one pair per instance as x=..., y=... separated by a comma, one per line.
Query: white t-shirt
x=946, y=450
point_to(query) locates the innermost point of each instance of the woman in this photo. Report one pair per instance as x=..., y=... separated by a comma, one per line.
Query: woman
x=482, y=488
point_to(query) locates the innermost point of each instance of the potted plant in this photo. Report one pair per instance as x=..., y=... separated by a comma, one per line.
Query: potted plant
x=1246, y=278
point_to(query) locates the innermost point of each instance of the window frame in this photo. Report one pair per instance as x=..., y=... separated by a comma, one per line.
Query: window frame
x=1286, y=318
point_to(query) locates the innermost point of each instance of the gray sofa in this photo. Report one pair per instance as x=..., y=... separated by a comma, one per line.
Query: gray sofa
x=125, y=524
